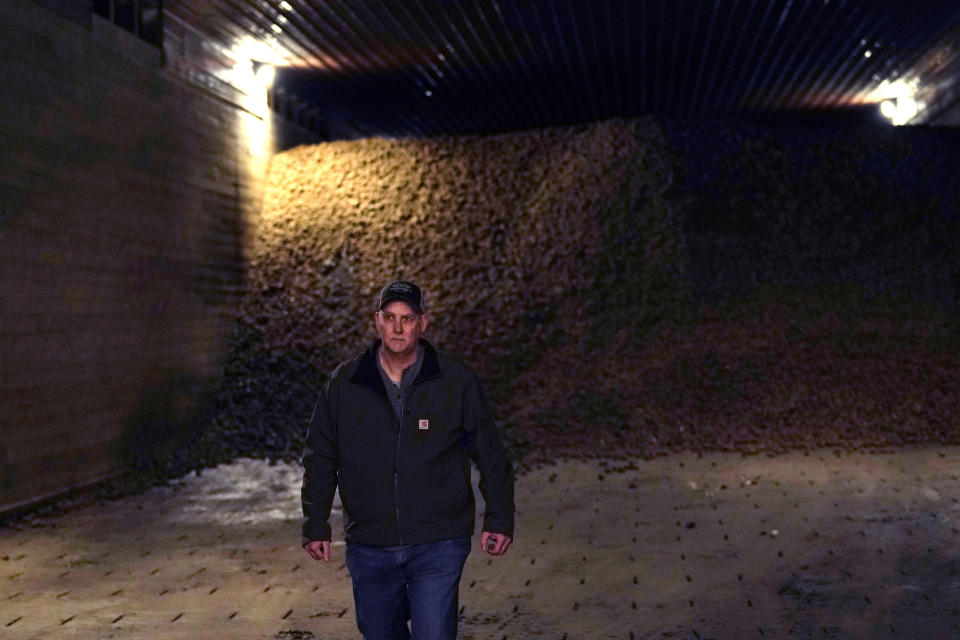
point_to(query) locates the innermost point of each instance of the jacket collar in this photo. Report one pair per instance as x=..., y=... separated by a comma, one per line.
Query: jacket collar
x=367, y=374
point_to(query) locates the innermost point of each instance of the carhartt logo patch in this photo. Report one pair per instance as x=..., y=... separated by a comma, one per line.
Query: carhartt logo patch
x=424, y=424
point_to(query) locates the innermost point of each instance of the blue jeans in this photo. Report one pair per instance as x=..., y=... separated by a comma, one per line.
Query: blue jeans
x=419, y=583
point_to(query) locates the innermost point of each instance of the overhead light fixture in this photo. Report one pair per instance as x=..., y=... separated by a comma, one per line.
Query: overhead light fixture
x=898, y=102
x=888, y=109
x=899, y=111
x=264, y=74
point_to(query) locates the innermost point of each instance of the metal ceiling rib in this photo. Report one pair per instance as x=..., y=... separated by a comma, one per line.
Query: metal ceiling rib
x=327, y=33
x=695, y=63
x=475, y=51
x=423, y=67
x=550, y=62
x=324, y=33
x=750, y=64
x=391, y=57
x=703, y=55
x=753, y=92
x=716, y=66
x=553, y=20
x=591, y=92
x=660, y=53
x=592, y=29
x=553, y=109
x=493, y=56
x=855, y=62
x=455, y=53
x=622, y=50
x=527, y=77
x=675, y=58
x=791, y=77
x=819, y=70
x=912, y=30
x=451, y=120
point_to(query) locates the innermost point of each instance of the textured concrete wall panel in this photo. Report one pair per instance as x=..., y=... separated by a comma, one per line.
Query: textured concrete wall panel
x=124, y=194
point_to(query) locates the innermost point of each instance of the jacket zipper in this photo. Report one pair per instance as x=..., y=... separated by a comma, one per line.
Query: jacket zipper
x=396, y=465
x=396, y=455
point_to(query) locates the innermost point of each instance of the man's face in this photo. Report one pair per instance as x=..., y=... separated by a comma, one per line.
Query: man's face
x=400, y=327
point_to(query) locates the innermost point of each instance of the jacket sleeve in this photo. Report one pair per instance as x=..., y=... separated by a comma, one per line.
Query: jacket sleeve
x=496, y=470
x=319, y=470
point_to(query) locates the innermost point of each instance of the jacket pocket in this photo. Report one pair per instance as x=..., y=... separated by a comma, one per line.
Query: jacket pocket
x=457, y=494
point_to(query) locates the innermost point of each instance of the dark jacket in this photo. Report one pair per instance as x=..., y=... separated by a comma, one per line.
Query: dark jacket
x=404, y=483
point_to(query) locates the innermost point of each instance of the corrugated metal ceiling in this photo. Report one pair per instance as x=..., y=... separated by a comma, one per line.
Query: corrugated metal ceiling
x=428, y=67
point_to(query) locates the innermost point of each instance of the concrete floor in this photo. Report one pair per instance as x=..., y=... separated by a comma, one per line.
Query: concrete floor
x=823, y=545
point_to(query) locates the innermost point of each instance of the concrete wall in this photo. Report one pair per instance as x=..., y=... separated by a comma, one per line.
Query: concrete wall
x=127, y=185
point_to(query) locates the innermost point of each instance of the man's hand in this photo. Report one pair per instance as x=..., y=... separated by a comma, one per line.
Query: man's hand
x=319, y=550
x=496, y=544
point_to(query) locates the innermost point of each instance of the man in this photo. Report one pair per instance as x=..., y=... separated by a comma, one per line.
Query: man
x=396, y=428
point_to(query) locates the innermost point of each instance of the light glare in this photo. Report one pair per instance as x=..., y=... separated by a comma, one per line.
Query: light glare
x=898, y=102
x=899, y=111
x=889, y=109
x=265, y=75
x=906, y=107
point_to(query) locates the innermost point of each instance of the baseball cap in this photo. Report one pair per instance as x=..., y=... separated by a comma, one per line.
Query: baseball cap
x=405, y=292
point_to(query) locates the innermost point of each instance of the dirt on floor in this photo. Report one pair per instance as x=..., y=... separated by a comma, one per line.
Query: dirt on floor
x=824, y=544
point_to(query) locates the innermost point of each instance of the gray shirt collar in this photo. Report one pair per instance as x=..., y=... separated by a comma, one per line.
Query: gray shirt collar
x=406, y=378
